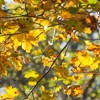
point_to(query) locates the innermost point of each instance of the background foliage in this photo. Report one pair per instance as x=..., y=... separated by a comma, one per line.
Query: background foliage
x=50, y=50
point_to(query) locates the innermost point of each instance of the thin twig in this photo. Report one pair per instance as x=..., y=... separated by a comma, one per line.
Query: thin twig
x=48, y=70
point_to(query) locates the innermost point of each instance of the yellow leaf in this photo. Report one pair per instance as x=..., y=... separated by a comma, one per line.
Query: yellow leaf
x=16, y=43
x=20, y=1
x=32, y=77
x=69, y=4
x=47, y=94
x=93, y=47
x=26, y=45
x=37, y=52
x=95, y=65
x=46, y=62
x=45, y=22
x=57, y=88
x=49, y=51
x=90, y=75
x=17, y=62
x=87, y=42
x=82, y=59
x=87, y=30
x=31, y=73
x=74, y=90
x=4, y=64
x=11, y=93
x=2, y=38
x=66, y=15
x=59, y=1
x=60, y=37
x=42, y=88
x=62, y=71
x=32, y=83
x=74, y=37
x=42, y=37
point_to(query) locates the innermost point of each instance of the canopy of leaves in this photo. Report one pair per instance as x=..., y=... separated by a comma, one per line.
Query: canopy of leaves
x=50, y=49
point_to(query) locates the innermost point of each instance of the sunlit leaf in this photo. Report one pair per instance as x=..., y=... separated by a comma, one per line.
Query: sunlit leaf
x=74, y=90
x=92, y=1
x=87, y=30
x=11, y=93
x=66, y=15
x=31, y=73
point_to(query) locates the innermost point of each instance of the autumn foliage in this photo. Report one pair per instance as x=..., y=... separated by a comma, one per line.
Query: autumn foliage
x=49, y=49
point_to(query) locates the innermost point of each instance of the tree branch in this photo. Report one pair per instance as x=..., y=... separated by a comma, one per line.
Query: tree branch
x=85, y=93
x=19, y=16
x=48, y=70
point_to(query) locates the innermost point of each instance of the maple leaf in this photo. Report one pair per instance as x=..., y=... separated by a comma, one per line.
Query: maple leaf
x=46, y=62
x=16, y=43
x=60, y=37
x=66, y=15
x=61, y=71
x=69, y=4
x=11, y=93
x=47, y=94
x=87, y=30
x=17, y=63
x=95, y=64
x=37, y=52
x=26, y=45
x=4, y=64
x=82, y=58
x=74, y=37
x=49, y=51
x=74, y=90
x=93, y=47
x=31, y=73
x=32, y=77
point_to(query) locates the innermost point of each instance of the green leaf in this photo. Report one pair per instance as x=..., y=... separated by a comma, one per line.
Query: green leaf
x=92, y=1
